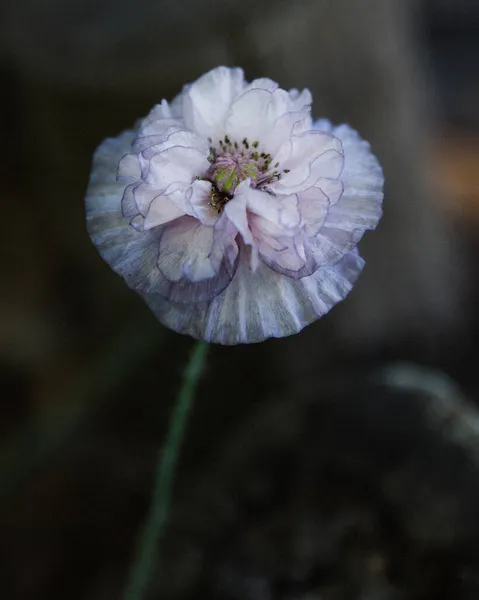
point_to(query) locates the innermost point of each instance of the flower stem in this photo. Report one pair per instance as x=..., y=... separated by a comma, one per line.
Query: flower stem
x=147, y=551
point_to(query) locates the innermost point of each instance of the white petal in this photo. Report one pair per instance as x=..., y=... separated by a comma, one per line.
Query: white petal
x=286, y=260
x=184, y=262
x=305, y=148
x=224, y=246
x=144, y=195
x=178, y=137
x=128, y=204
x=300, y=99
x=314, y=207
x=184, y=250
x=162, y=210
x=262, y=83
x=250, y=115
x=159, y=128
x=236, y=211
x=284, y=126
x=332, y=188
x=360, y=205
x=326, y=165
x=176, y=165
x=198, y=203
x=104, y=190
x=257, y=306
x=207, y=101
x=129, y=168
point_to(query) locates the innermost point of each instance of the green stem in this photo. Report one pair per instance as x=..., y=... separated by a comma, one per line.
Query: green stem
x=157, y=517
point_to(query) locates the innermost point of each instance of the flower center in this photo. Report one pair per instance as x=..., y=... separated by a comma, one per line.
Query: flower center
x=232, y=163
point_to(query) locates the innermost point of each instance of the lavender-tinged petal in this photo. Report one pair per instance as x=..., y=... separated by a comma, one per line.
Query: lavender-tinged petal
x=305, y=148
x=257, y=306
x=207, y=101
x=198, y=203
x=314, y=207
x=262, y=83
x=224, y=246
x=129, y=169
x=144, y=194
x=184, y=261
x=236, y=211
x=175, y=165
x=162, y=210
x=184, y=249
x=250, y=115
x=284, y=126
x=159, y=127
x=332, y=188
x=178, y=137
x=128, y=204
x=329, y=164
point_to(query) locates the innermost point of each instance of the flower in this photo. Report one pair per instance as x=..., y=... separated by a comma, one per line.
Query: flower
x=231, y=212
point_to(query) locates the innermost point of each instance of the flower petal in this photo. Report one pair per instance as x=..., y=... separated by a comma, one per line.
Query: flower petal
x=162, y=210
x=184, y=262
x=129, y=168
x=175, y=165
x=250, y=115
x=207, y=101
x=360, y=206
x=257, y=306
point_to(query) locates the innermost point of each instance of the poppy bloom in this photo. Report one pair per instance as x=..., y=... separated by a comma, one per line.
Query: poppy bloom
x=231, y=212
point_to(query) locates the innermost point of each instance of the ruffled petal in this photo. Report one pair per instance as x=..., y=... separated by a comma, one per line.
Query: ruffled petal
x=359, y=207
x=184, y=251
x=129, y=168
x=184, y=261
x=262, y=83
x=257, y=306
x=250, y=115
x=198, y=203
x=207, y=101
x=308, y=157
x=162, y=210
x=175, y=165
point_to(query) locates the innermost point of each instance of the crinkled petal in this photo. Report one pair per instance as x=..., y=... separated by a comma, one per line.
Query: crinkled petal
x=129, y=169
x=128, y=204
x=224, y=245
x=175, y=165
x=184, y=261
x=250, y=115
x=359, y=207
x=144, y=194
x=262, y=83
x=285, y=125
x=257, y=306
x=184, y=251
x=132, y=252
x=207, y=101
x=286, y=260
x=300, y=98
x=158, y=128
x=236, y=211
x=177, y=137
x=198, y=203
x=308, y=157
x=162, y=210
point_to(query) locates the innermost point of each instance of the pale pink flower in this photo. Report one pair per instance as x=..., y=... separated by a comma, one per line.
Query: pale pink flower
x=232, y=213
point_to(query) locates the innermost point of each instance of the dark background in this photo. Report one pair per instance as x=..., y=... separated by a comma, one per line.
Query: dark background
x=340, y=464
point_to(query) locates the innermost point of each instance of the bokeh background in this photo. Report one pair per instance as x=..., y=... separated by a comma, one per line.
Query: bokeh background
x=340, y=464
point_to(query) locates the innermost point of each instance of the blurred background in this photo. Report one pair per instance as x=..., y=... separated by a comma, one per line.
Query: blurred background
x=339, y=464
